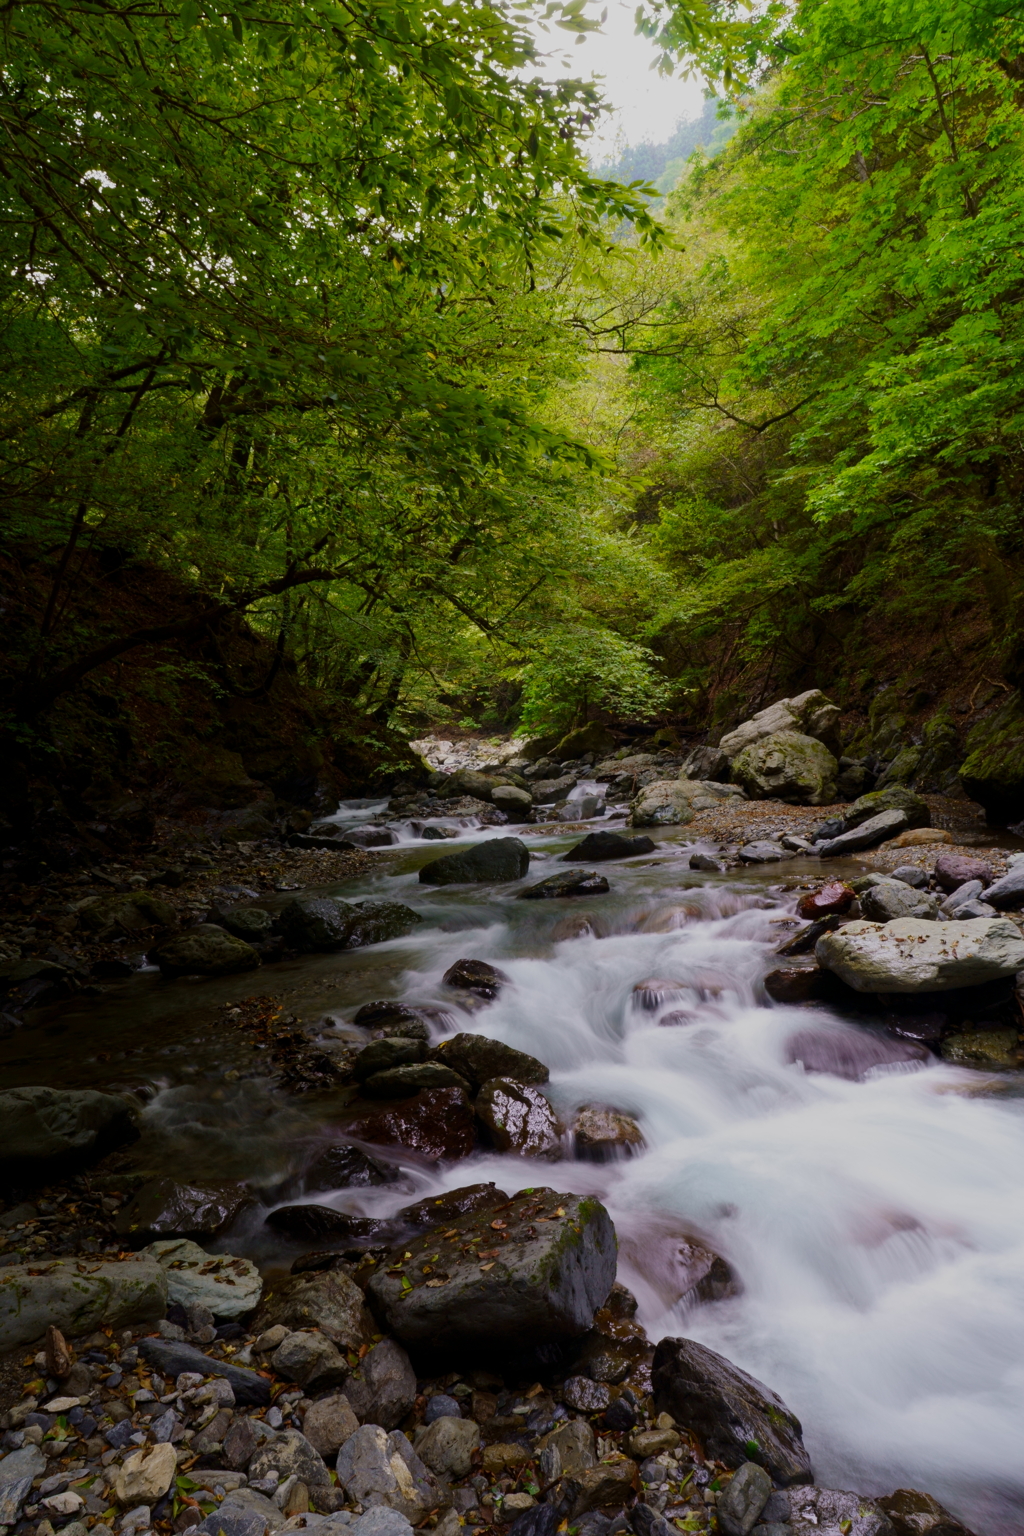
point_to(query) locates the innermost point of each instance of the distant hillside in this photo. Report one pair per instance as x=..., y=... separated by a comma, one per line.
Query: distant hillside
x=662, y=164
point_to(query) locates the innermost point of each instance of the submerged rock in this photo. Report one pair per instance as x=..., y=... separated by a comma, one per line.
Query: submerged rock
x=914, y=955
x=498, y=859
x=415, y=1077
x=574, y=882
x=382, y=1055
x=988, y=1050
x=477, y=976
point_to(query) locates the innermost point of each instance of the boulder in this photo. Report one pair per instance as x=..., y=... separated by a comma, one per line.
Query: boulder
x=244, y=1512
x=836, y=896
x=955, y=869
x=764, y=852
x=517, y=1117
x=173, y=1359
x=548, y=791
x=987, y=1050
x=77, y=1296
x=516, y=803
x=126, y=915
x=813, y=1511
x=993, y=771
x=477, y=976
x=917, y=1514
x=45, y=1130
x=709, y=795
x=388, y=1017
x=528, y=1282
x=328, y=1424
x=787, y=766
x=382, y=1390
x=326, y=1299
x=808, y=714
x=876, y=829
x=379, y=1468
x=206, y=950
x=447, y=1446
x=498, y=859
x=851, y=1054
x=1008, y=891
x=318, y=1222
x=708, y=764
x=586, y=738
x=375, y=922
x=401, y=1082
x=896, y=798
x=892, y=899
x=571, y=882
x=601, y=1134
x=227, y=1285
x=574, y=1442
x=436, y=1124
x=665, y=802
x=478, y=1058
x=252, y=924
x=315, y=923
x=741, y=1502
x=598, y=846
x=729, y=1411
x=311, y=1359
x=163, y=1207
x=382, y=1055
x=915, y=955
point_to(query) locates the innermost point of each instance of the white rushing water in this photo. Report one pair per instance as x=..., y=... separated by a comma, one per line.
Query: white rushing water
x=876, y=1226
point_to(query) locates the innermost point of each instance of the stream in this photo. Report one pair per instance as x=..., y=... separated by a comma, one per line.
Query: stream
x=873, y=1213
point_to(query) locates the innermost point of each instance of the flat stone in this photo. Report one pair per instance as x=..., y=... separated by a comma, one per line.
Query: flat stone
x=327, y=1300
x=436, y=1124
x=913, y=955
x=517, y=1117
x=28, y=1462
x=478, y=1059
x=876, y=829
x=851, y=1054
x=78, y=1296
x=172, y=1359
x=497, y=860
x=574, y=882
x=44, y=1129
x=598, y=846
x=13, y=1494
x=382, y=1389
x=920, y=837
x=728, y=1410
x=537, y=1278
x=763, y=852
x=228, y=1285
x=164, y=1207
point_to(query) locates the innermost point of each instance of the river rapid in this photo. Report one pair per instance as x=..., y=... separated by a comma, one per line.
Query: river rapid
x=873, y=1214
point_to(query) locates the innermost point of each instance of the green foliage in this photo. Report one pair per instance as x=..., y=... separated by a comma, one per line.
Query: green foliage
x=583, y=668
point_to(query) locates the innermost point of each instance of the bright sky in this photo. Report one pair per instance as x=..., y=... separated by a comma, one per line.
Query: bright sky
x=648, y=105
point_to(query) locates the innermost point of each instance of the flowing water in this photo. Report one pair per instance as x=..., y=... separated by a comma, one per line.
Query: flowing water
x=872, y=1209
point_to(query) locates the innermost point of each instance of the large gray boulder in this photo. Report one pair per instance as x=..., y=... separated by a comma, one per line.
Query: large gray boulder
x=45, y=1129
x=914, y=955
x=876, y=829
x=729, y=1411
x=789, y=766
x=226, y=1284
x=535, y=1280
x=810, y=714
x=892, y=899
x=1008, y=891
x=665, y=802
x=78, y=1296
x=498, y=859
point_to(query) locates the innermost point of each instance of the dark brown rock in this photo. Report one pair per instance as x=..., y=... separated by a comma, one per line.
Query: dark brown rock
x=836, y=896
x=382, y=1055
x=315, y=1223
x=955, y=869
x=585, y=1395
x=436, y=1124
x=601, y=1134
x=597, y=846
x=918, y=1514
x=477, y=976
x=346, y=1167
x=382, y=1014
x=165, y=1208
x=479, y=1059
x=416, y=1077
x=573, y=882
x=517, y=1117
x=795, y=984
x=805, y=939
x=327, y=1300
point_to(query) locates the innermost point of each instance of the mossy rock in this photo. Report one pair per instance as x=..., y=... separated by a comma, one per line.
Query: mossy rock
x=993, y=773
x=902, y=769
x=987, y=1050
x=787, y=766
x=589, y=738
x=896, y=798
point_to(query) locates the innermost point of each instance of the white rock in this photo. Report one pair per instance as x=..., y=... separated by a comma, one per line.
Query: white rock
x=66, y=1503
x=226, y=1284
x=810, y=713
x=914, y=955
x=146, y=1475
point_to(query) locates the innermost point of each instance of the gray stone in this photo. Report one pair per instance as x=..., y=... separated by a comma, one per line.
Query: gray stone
x=441, y=1406
x=13, y=1494
x=914, y=955
x=42, y=1129
x=172, y=1359
x=728, y=1410
x=706, y=863
x=548, y=791
x=228, y=1285
x=911, y=874
x=1008, y=890
x=311, y=1359
x=892, y=899
x=316, y=923
x=379, y=1468
x=383, y=1388
x=28, y=1462
x=895, y=798
x=244, y=1504
x=537, y=1282
x=289, y=1454
x=763, y=853
x=789, y=766
x=810, y=714
x=963, y=893
x=975, y=908
x=478, y=1059
x=739, y=1506
x=707, y=764
x=575, y=1444
x=447, y=1446
x=326, y=1299
x=516, y=803
x=379, y=1520
x=77, y=1296
x=598, y=846
x=206, y=950
x=241, y=1441
x=518, y=1117
x=231, y=1521
x=820, y=1510
x=876, y=829
x=328, y=1424
x=665, y=802
x=498, y=859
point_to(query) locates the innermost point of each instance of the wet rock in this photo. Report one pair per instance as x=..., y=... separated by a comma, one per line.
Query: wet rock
x=816, y=1510
x=310, y=1359
x=252, y=924
x=598, y=846
x=204, y=951
x=327, y=1300
x=990, y=1050
x=918, y=1514
x=375, y=922
x=665, y=802
x=437, y=1124
x=728, y=1410
x=382, y=1389
x=955, y=869
x=788, y=766
x=164, y=1207
x=740, y=1504
x=173, y=1359
x=536, y=1274
x=77, y=1296
x=517, y=1117
x=852, y=1054
x=382, y=1055
x=804, y=941
x=706, y=863
x=549, y=791
x=328, y=1424
x=476, y=976
x=478, y=1059
x=877, y=829
x=447, y=1446
x=574, y=882
x=763, y=852
x=401, y=1082
x=516, y=803
x=378, y=1468
x=289, y=1454
x=891, y=899
x=911, y=954
x=836, y=896
x=796, y=984
x=370, y=837
x=1008, y=891
x=315, y=923
x=498, y=859
x=601, y=1134
x=146, y=1475
x=43, y=1130
x=320, y=1223
x=226, y=1284
x=397, y=1018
